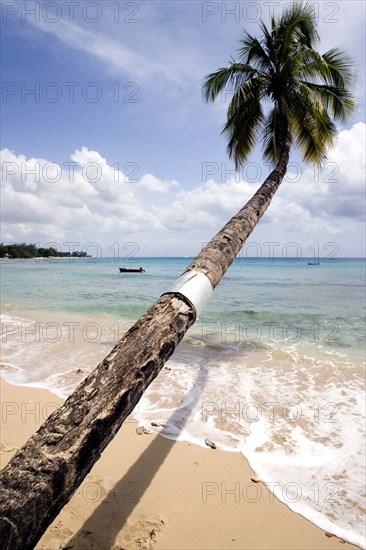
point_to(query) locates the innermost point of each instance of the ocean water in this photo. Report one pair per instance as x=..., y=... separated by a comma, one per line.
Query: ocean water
x=273, y=368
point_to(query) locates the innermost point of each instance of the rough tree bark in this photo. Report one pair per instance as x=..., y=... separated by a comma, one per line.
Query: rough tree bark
x=43, y=475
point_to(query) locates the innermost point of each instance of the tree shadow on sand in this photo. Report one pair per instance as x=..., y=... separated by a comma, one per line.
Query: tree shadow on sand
x=101, y=529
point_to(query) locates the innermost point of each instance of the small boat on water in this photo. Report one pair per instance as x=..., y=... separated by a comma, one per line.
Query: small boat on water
x=313, y=263
x=128, y=270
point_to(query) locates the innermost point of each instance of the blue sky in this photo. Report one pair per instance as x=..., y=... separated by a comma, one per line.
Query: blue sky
x=122, y=147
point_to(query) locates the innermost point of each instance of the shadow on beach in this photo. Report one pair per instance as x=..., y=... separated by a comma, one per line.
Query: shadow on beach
x=101, y=529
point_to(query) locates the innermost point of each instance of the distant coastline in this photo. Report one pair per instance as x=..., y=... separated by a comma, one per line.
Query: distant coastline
x=24, y=251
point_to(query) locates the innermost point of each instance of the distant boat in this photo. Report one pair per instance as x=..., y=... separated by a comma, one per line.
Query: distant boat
x=313, y=263
x=128, y=270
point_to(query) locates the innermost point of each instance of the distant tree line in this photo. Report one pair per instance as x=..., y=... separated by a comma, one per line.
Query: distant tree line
x=23, y=250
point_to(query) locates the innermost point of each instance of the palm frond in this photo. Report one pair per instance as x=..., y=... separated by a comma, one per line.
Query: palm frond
x=310, y=123
x=252, y=51
x=337, y=100
x=244, y=120
x=296, y=29
x=227, y=77
x=271, y=139
x=340, y=69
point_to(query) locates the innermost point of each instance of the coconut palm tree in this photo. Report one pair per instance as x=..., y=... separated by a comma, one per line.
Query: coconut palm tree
x=306, y=90
x=285, y=91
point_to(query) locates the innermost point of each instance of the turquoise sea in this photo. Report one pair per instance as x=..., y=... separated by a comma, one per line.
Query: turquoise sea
x=273, y=368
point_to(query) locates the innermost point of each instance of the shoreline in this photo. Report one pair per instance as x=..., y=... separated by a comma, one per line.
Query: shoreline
x=149, y=492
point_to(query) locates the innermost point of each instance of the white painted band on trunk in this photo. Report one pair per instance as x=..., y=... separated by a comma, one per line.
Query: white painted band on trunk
x=195, y=286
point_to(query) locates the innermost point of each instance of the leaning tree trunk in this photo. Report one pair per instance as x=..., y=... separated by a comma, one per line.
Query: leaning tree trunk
x=43, y=475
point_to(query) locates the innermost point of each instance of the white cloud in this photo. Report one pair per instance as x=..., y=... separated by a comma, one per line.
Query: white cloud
x=151, y=183
x=94, y=201
x=350, y=145
x=159, y=55
x=115, y=54
x=337, y=191
x=88, y=196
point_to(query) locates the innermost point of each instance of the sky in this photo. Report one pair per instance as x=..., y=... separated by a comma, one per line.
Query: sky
x=107, y=145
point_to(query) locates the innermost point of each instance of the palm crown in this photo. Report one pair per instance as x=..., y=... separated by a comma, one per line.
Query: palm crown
x=305, y=89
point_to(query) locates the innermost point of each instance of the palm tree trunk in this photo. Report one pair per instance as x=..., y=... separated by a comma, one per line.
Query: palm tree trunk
x=215, y=258
x=43, y=475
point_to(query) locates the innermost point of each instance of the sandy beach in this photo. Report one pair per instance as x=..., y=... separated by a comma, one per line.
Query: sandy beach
x=148, y=492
